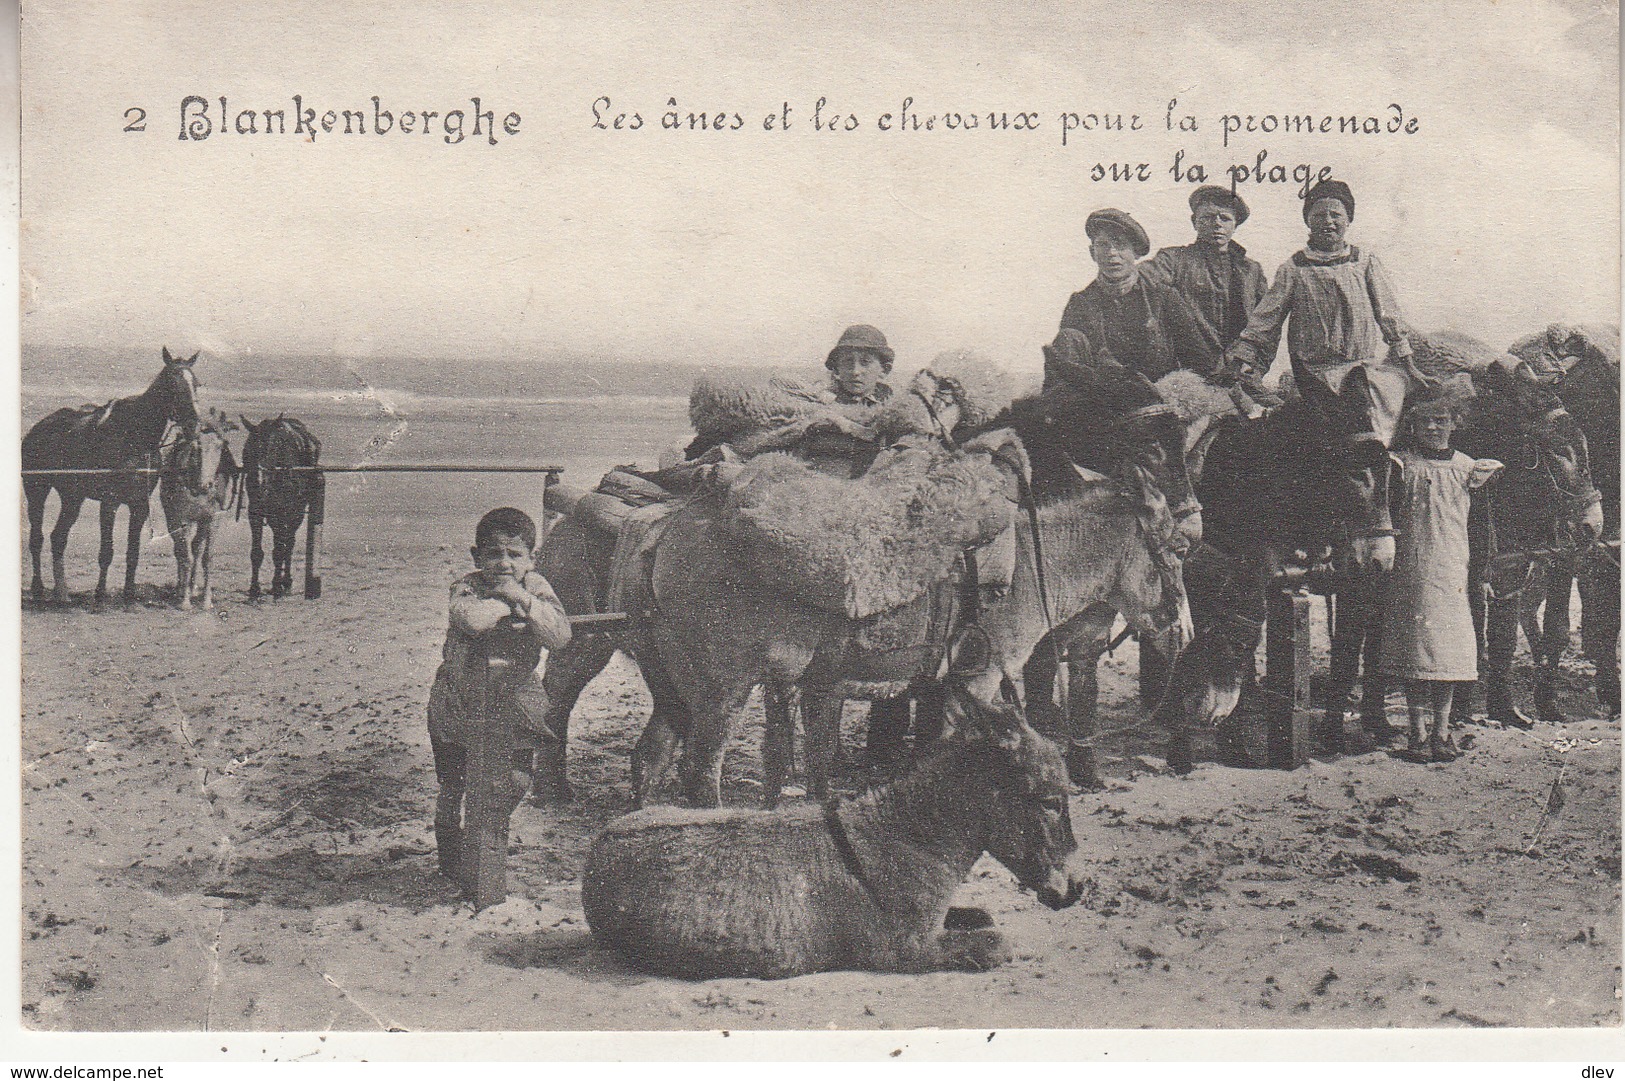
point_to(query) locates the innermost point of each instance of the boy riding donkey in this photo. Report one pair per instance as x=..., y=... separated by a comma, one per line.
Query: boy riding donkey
x=1343, y=315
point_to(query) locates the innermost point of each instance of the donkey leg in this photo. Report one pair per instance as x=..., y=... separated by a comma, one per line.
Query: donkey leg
x=778, y=742
x=104, y=554
x=37, y=494
x=707, y=743
x=1038, y=688
x=256, y=554
x=132, y=548
x=955, y=949
x=668, y=726
x=1551, y=639
x=821, y=717
x=569, y=670
x=1599, y=628
x=1501, y=635
x=1083, y=707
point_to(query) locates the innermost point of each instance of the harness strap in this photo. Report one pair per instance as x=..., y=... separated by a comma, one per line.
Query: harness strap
x=849, y=855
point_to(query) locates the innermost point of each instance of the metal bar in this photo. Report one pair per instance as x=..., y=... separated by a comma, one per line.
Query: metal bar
x=361, y=468
x=600, y=621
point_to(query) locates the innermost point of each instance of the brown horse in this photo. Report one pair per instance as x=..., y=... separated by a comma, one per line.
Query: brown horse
x=283, y=491
x=121, y=440
x=855, y=884
x=200, y=483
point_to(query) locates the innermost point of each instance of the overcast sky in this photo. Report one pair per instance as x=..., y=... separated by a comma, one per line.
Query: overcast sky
x=1498, y=215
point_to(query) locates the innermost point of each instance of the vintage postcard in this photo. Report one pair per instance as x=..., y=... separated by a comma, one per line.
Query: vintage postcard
x=1118, y=504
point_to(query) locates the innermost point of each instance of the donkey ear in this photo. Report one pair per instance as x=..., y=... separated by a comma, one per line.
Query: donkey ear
x=248, y=425
x=167, y=358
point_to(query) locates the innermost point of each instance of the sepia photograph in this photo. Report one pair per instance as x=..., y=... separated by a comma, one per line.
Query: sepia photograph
x=704, y=520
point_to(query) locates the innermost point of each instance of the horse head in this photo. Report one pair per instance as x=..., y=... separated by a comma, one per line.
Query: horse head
x=1031, y=829
x=175, y=390
x=1348, y=466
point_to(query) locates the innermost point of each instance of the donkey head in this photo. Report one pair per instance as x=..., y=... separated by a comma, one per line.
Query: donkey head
x=1348, y=466
x=1527, y=426
x=1030, y=830
x=176, y=390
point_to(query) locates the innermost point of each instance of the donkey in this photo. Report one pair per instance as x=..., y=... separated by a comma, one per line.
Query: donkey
x=200, y=482
x=283, y=490
x=1310, y=476
x=1542, y=510
x=855, y=884
x=717, y=630
x=122, y=440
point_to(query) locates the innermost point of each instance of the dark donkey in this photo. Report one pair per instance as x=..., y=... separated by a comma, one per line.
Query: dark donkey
x=123, y=438
x=283, y=490
x=1540, y=512
x=857, y=884
x=1583, y=365
x=1311, y=477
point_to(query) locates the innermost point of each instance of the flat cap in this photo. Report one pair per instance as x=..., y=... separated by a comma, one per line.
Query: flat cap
x=1217, y=196
x=1116, y=221
x=1329, y=189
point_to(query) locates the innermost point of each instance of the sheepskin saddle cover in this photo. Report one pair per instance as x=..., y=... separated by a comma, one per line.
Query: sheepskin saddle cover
x=871, y=544
x=723, y=410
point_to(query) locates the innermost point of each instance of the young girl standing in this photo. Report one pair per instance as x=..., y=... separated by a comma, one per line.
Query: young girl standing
x=1428, y=636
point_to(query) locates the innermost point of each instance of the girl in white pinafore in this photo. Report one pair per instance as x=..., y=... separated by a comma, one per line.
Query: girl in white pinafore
x=1428, y=638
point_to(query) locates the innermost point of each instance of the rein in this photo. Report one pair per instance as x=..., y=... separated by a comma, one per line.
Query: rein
x=848, y=854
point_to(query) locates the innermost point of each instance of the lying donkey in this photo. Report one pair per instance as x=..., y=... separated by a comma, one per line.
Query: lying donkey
x=858, y=884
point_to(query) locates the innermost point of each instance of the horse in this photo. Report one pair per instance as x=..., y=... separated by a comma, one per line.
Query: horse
x=1311, y=476
x=121, y=440
x=200, y=481
x=1582, y=363
x=850, y=884
x=283, y=490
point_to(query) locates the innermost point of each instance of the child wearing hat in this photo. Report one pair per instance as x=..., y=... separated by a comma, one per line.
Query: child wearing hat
x=1428, y=638
x=1144, y=325
x=1214, y=273
x=1340, y=304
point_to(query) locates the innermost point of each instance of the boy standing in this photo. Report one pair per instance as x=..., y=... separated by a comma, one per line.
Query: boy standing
x=506, y=612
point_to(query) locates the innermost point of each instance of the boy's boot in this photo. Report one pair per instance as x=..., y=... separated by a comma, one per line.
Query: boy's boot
x=1499, y=705
x=1546, y=693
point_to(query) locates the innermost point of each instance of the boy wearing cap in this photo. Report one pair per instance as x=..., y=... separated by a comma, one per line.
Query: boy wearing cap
x=1214, y=274
x=1145, y=326
x=1341, y=306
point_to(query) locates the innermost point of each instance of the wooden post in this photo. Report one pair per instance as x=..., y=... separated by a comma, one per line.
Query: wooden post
x=485, y=810
x=313, y=538
x=1286, y=678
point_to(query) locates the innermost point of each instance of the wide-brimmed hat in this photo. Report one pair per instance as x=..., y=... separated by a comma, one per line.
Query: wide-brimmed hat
x=865, y=337
x=1111, y=220
x=1217, y=196
x=1329, y=189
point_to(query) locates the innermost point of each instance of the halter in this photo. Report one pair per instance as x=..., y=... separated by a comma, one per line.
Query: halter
x=1138, y=417
x=931, y=411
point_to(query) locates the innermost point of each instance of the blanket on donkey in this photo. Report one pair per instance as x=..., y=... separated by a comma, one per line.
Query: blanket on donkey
x=870, y=544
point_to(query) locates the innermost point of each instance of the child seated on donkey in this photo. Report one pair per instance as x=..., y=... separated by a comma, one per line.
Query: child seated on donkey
x=507, y=613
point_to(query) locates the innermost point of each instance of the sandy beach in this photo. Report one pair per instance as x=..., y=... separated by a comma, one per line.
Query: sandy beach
x=226, y=826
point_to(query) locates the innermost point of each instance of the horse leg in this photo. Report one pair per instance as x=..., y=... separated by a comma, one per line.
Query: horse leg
x=37, y=493
x=104, y=554
x=1550, y=640
x=206, y=534
x=256, y=554
x=183, y=564
x=1501, y=638
x=778, y=742
x=66, y=515
x=281, y=558
x=132, y=546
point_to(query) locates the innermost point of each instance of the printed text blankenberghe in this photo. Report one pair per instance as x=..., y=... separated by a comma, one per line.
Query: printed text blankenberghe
x=203, y=118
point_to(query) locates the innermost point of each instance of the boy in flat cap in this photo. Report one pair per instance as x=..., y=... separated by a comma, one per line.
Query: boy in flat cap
x=1341, y=306
x=1214, y=274
x=1144, y=325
